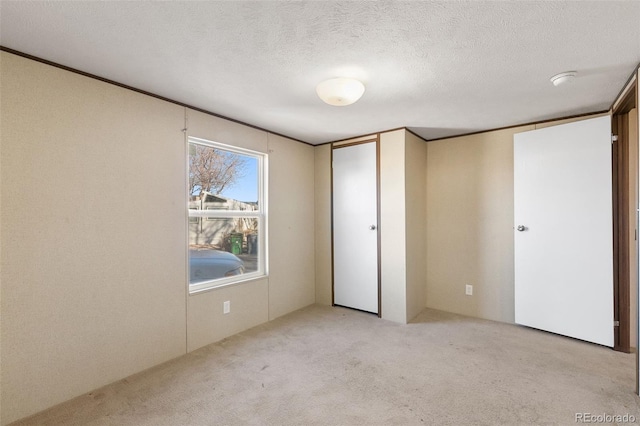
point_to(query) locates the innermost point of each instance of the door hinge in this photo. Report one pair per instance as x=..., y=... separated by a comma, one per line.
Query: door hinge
x=616, y=323
x=614, y=138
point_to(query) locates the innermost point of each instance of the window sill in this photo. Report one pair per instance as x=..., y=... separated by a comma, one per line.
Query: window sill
x=224, y=283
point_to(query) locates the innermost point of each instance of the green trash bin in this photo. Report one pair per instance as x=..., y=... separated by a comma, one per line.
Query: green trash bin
x=236, y=243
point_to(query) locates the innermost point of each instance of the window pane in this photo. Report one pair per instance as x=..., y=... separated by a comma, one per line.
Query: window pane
x=225, y=217
x=222, y=180
x=223, y=247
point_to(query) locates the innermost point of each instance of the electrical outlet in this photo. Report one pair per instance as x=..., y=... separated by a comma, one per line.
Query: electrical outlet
x=468, y=290
x=226, y=307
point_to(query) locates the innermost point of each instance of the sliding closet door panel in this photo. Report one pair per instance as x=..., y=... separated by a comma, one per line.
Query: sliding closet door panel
x=355, y=240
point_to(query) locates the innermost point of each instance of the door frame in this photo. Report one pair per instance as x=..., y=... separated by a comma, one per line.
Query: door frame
x=338, y=145
x=621, y=219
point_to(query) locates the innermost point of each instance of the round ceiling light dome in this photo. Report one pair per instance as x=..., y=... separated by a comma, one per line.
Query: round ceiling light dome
x=563, y=77
x=340, y=91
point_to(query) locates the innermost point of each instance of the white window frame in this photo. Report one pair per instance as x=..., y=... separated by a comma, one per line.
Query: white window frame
x=260, y=214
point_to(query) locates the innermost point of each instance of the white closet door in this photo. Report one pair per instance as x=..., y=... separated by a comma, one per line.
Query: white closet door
x=563, y=230
x=355, y=240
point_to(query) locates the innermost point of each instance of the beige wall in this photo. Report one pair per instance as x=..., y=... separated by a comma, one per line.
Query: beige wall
x=393, y=226
x=291, y=231
x=416, y=223
x=470, y=224
x=568, y=120
x=206, y=322
x=93, y=278
x=323, y=223
x=94, y=281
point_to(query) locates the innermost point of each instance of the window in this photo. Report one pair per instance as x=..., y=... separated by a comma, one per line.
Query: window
x=226, y=205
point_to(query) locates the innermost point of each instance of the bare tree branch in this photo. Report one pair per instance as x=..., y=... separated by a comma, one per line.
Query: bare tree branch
x=213, y=170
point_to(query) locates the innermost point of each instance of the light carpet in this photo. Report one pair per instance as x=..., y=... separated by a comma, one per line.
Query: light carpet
x=334, y=366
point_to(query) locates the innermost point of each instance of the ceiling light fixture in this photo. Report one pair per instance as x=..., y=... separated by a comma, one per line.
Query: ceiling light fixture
x=340, y=91
x=563, y=77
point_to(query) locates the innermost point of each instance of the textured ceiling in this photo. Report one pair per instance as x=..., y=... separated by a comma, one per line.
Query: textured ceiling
x=439, y=68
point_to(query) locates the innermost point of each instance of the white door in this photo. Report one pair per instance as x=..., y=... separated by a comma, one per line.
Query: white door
x=355, y=221
x=563, y=230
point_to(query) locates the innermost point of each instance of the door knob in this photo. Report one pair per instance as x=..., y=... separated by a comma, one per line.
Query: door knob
x=372, y=227
x=521, y=228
